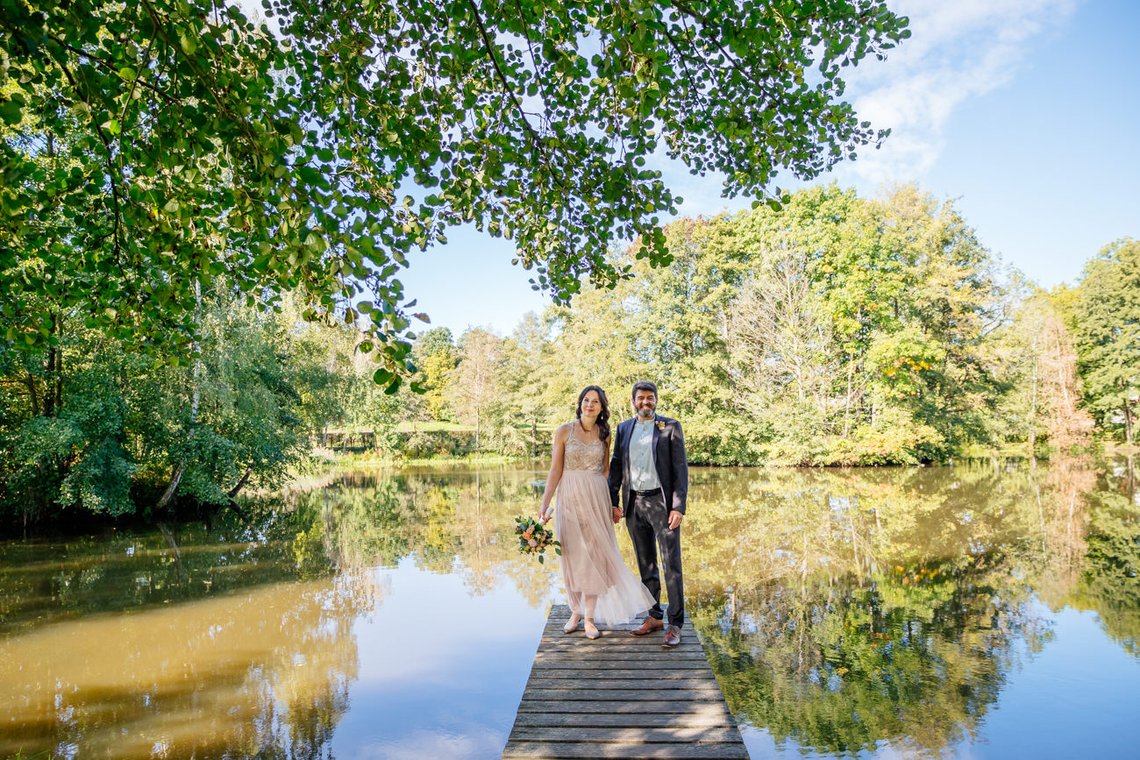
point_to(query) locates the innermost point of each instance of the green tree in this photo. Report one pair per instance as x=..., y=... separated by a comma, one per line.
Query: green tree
x=324, y=379
x=836, y=330
x=840, y=236
x=477, y=394
x=126, y=434
x=782, y=344
x=232, y=418
x=434, y=353
x=149, y=148
x=926, y=298
x=527, y=370
x=595, y=343
x=1034, y=357
x=1107, y=324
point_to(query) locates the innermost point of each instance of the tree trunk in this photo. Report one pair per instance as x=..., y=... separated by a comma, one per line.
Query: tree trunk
x=49, y=371
x=1127, y=406
x=1033, y=404
x=240, y=484
x=33, y=396
x=1062, y=380
x=57, y=327
x=847, y=402
x=175, y=479
x=180, y=468
x=182, y=575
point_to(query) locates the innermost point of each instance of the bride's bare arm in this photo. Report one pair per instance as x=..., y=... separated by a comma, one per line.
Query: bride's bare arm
x=557, y=457
x=616, y=510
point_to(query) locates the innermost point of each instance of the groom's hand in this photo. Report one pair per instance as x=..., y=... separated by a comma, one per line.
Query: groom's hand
x=674, y=520
x=617, y=515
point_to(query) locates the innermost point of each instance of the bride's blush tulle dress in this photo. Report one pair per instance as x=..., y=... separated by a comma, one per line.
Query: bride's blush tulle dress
x=591, y=562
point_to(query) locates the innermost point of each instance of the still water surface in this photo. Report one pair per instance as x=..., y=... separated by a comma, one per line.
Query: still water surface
x=972, y=611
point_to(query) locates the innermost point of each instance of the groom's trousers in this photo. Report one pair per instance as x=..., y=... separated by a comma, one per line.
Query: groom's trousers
x=648, y=523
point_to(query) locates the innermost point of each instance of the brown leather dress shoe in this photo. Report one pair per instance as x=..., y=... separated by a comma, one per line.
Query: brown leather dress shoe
x=650, y=625
x=672, y=636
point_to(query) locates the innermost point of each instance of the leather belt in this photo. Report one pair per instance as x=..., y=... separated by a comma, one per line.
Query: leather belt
x=651, y=492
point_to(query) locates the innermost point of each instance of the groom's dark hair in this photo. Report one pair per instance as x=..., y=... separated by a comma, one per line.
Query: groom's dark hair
x=643, y=385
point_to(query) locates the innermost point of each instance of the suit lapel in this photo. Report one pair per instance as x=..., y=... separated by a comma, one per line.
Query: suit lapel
x=653, y=448
x=624, y=442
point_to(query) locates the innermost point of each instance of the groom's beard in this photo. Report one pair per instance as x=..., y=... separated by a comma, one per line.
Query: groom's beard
x=645, y=414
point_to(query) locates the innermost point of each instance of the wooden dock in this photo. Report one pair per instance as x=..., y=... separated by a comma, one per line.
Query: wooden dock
x=621, y=696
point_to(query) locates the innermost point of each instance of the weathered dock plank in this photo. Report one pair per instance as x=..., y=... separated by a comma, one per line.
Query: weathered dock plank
x=621, y=696
x=579, y=691
x=625, y=751
x=657, y=706
x=713, y=719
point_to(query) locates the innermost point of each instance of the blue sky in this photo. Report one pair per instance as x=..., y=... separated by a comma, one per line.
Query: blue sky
x=1026, y=113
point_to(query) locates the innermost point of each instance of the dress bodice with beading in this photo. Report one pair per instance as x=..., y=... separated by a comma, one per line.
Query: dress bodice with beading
x=585, y=456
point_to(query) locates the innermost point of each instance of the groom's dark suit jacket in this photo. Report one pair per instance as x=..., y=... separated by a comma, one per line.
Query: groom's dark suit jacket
x=668, y=458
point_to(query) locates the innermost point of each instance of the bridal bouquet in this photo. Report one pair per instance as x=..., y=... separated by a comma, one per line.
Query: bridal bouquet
x=535, y=538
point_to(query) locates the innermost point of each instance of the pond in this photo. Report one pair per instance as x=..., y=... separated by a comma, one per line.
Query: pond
x=970, y=611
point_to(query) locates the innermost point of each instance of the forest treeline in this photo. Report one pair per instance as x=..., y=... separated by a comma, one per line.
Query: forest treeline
x=839, y=330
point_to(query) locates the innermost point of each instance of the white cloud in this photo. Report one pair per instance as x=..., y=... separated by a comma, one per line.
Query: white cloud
x=957, y=51
x=421, y=744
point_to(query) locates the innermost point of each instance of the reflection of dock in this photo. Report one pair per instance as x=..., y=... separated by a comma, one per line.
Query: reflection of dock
x=623, y=697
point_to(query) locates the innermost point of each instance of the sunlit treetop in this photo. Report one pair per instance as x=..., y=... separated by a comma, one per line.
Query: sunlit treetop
x=152, y=147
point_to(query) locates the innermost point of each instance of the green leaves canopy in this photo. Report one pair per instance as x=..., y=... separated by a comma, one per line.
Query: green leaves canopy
x=1107, y=322
x=150, y=147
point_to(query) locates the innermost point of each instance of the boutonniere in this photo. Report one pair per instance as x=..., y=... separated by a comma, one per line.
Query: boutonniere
x=660, y=425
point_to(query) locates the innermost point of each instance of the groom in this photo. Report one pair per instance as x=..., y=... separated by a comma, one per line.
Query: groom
x=649, y=470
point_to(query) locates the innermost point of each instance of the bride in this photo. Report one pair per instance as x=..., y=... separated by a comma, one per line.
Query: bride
x=599, y=586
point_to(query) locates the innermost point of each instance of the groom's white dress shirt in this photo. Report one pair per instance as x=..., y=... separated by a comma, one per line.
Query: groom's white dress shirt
x=642, y=473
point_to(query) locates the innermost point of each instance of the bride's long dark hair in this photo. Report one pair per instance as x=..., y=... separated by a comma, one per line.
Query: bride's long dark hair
x=603, y=421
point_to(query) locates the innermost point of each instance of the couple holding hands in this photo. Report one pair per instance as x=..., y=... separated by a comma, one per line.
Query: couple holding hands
x=647, y=468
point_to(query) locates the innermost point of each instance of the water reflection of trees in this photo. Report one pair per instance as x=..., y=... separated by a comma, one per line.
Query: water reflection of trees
x=885, y=529
x=263, y=672
x=46, y=581
x=913, y=658
x=846, y=610
x=443, y=520
x=193, y=640
x=1110, y=575
x=843, y=610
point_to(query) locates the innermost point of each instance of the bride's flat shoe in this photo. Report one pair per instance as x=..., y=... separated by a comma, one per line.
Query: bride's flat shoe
x=572, y=623
x=592, y=631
